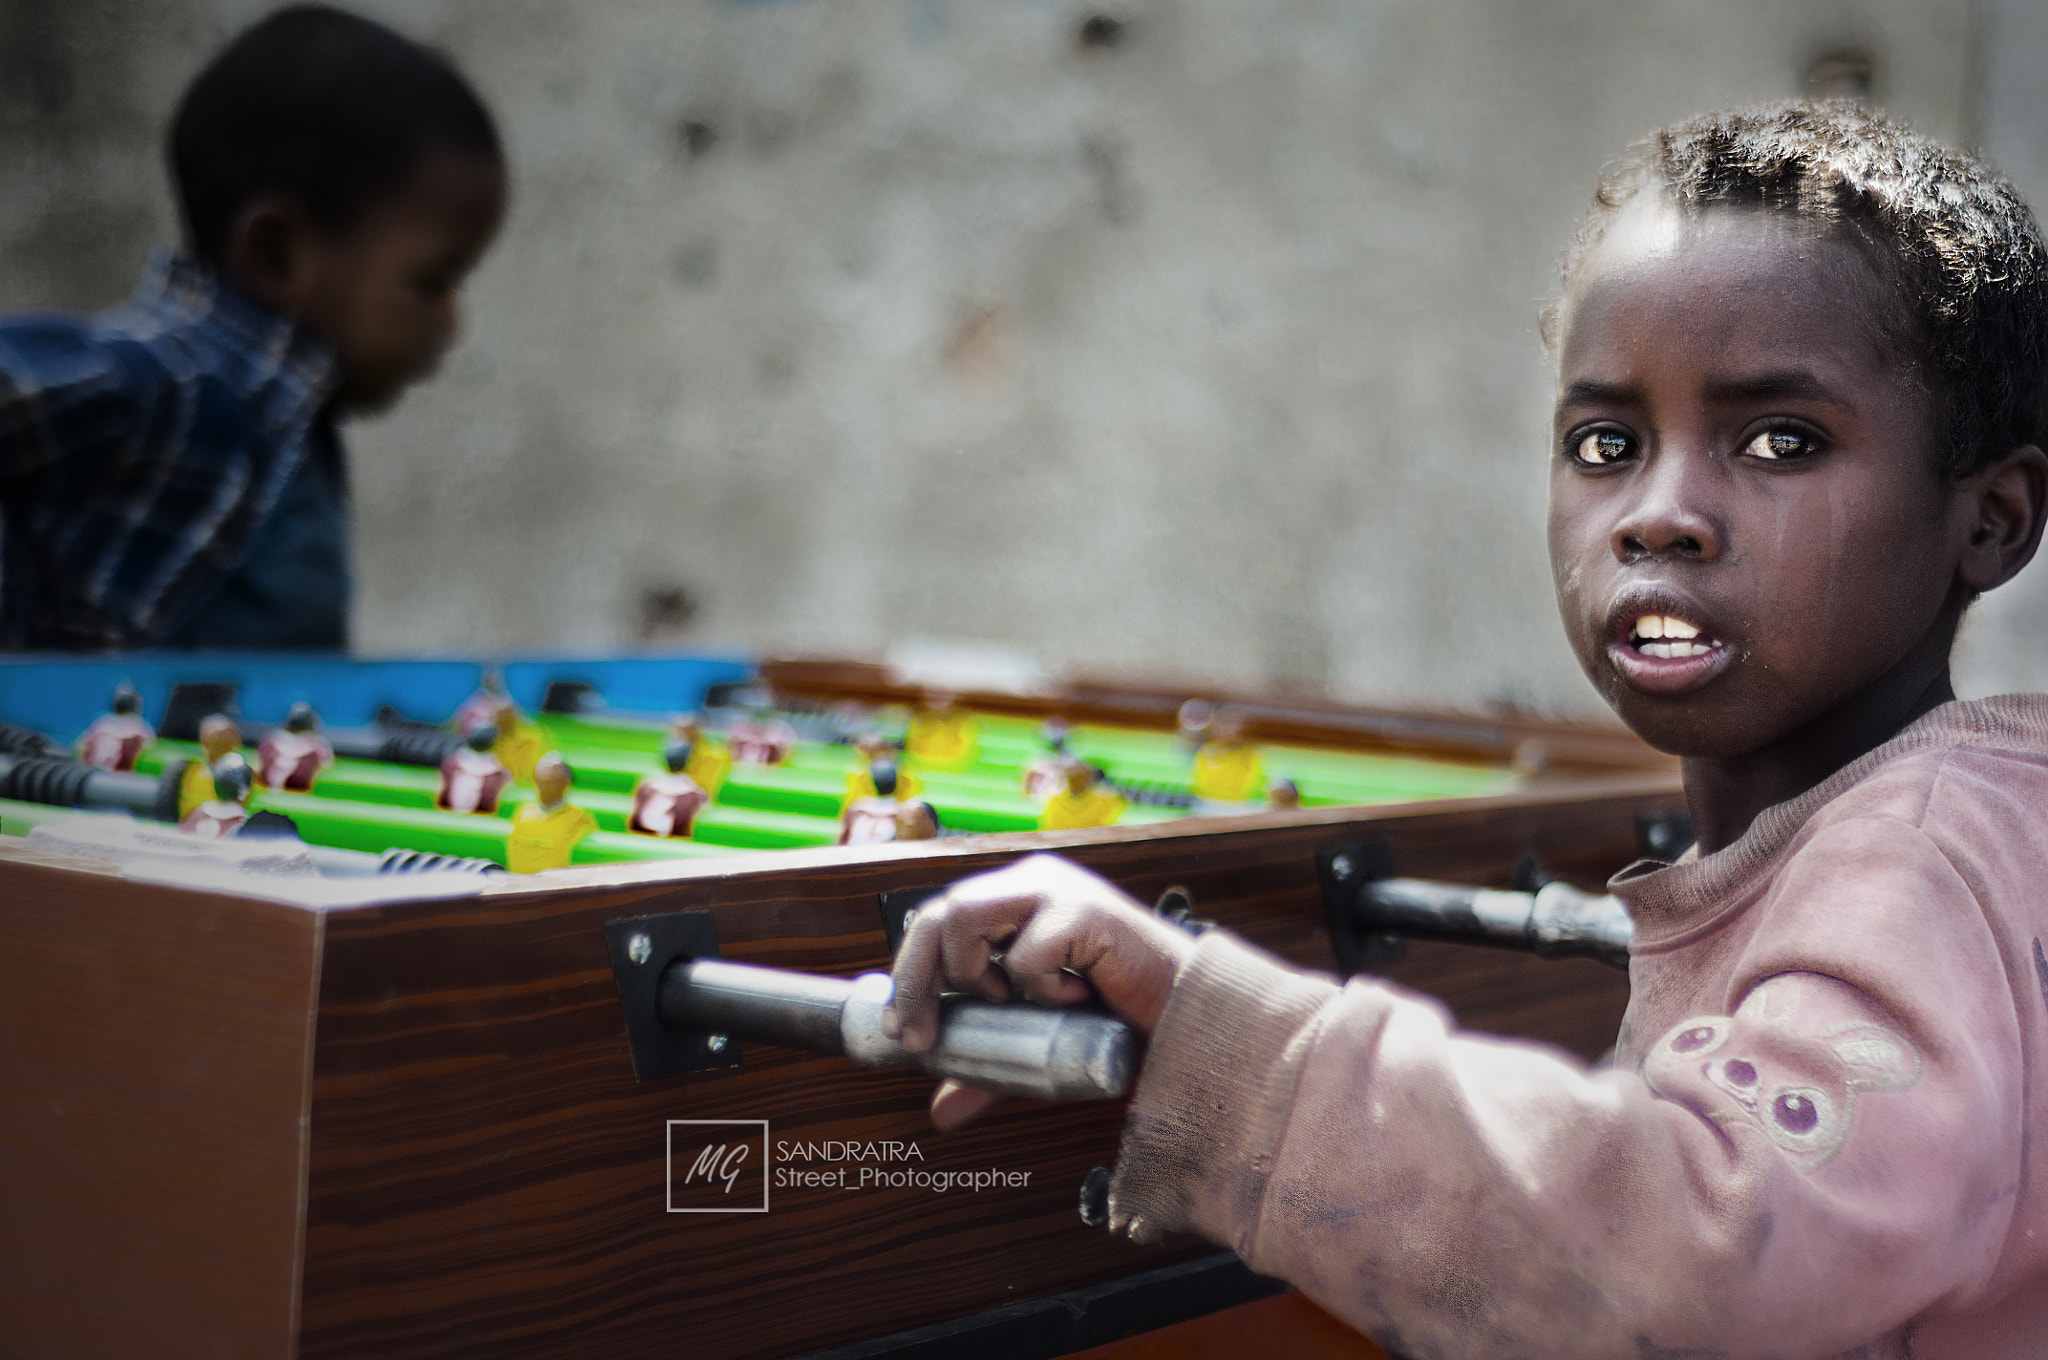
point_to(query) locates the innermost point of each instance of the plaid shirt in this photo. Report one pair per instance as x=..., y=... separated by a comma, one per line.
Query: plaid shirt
x=141, y=452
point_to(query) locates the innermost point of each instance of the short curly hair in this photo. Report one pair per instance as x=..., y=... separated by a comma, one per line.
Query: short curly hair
x=1949, y=237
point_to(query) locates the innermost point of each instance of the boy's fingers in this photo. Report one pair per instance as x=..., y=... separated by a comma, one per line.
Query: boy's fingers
x=1128, y=957
x=1048, y=963
x=954, y=1104
x=966, y=948
x=1029, y=909
x=949, y=939
x=912, y=1014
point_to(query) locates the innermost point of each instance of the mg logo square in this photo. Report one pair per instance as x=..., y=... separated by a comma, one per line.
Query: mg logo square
x=718, y=1166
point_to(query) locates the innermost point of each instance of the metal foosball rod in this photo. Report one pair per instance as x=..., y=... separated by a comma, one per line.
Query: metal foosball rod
x=1555, y=921
x=62, y=782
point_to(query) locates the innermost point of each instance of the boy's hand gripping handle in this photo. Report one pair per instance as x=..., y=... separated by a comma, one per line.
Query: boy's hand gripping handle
x=1014, y=1049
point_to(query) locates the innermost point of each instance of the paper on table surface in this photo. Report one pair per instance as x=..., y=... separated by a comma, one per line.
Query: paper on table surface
x=278, y=868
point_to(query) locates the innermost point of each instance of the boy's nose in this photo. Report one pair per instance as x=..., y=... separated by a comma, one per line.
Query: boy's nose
x=1668, y=515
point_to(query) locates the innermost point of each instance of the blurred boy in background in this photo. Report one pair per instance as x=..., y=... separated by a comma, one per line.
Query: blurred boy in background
x=170, y=472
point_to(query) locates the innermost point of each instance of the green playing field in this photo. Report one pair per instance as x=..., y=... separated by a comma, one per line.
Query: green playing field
x=374, y=806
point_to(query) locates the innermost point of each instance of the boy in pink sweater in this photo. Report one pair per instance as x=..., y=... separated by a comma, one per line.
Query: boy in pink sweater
x=1798, y=431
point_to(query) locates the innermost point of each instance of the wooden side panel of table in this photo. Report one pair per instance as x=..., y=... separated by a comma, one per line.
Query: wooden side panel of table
x=154, y=1048
x=487, y=1175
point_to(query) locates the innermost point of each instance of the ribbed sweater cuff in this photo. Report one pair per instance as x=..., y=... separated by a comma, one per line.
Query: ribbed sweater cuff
x=1213, y=1095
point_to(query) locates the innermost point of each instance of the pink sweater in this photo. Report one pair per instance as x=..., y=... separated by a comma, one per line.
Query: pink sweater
x=1814, y=1140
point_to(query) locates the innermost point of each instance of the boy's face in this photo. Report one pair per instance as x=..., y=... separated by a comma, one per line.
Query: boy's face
x=383, y=291
x=1746, y=523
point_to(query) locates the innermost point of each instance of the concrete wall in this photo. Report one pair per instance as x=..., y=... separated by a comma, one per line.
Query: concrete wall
x=1210, y=350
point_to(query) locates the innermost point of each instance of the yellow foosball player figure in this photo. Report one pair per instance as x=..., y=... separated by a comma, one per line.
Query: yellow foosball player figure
x=888, y=815
x=518, y=744
x=942, y=736
x=710, y=759
x=116, y=739
x=1227, y=767
x=1084, y=803
x=668, y=804
x=876, y=749
x=545, y=832
x=219, y=736
x=223, y=814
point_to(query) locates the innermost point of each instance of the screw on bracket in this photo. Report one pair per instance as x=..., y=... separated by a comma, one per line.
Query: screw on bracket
x=1095, y=1198
x=639, y=949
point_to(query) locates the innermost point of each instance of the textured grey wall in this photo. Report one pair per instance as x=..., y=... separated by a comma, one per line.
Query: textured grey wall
x=1211, y=351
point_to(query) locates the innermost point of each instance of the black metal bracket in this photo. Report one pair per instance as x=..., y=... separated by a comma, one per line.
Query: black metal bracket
x=642, y=948
x=1343, y=870
x=899, y=904
x=191, y=703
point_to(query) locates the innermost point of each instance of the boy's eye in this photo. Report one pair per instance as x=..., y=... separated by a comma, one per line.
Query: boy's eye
x=1602, y=448
x=1781, y=444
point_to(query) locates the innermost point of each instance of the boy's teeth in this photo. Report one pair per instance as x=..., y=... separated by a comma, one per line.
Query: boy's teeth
x=1666, y=636
x=1664, y=626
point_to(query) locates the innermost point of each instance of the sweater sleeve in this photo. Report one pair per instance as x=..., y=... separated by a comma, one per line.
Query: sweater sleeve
x=1833, y=1153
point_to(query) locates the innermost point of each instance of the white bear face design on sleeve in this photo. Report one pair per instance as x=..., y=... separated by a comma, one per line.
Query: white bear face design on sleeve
x=1798, y=1085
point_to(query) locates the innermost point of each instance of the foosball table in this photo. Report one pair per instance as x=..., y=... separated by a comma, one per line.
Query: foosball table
x=303, y=1104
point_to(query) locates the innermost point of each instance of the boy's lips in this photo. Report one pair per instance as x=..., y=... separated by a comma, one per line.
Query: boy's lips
x=1665, y=647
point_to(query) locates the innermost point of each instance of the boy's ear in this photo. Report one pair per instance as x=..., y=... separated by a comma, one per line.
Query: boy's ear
x=269, y=250
x=2006, y=503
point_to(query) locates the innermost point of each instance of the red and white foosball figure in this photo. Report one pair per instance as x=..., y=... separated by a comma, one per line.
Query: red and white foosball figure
x=291, y=757
x=472, y=779
x=116, y=739
x=668, y=804
x=223, y=814
x=761, y=740
x=885, y=817
x=481, y=707
x=1045, y=778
